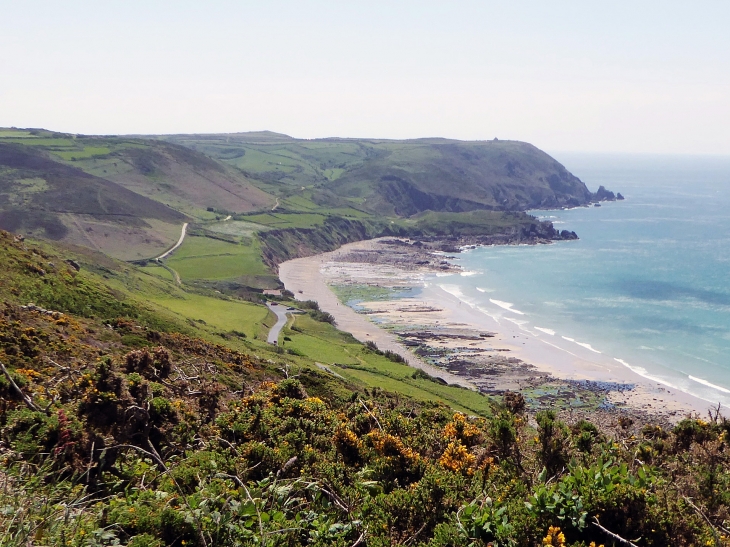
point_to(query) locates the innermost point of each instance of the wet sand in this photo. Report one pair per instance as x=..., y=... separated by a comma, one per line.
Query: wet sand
x=303, y=276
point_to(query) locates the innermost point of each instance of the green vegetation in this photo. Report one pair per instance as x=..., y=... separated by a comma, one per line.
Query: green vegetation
x=159, y=271
x=213, y=259
x=223, y=315
x=397, y=178
x=278, y=197
x=283, y=220
x=134, y=412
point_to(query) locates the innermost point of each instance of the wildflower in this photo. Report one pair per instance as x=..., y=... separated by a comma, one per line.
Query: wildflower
x=28, y=373
x=456, y=458
x=345, y=436
x=460, y=429
x=389, y=445
x=554, y=537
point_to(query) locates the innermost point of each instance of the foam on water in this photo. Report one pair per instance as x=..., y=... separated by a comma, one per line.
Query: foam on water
x=708, y=384
x=505, y=305
x=551, y=332
x=517, y=322
x=588, y=347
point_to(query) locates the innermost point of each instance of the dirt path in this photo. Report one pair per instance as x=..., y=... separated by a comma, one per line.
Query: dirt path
x=302, y=276
x=179, y=242
x=175, y=275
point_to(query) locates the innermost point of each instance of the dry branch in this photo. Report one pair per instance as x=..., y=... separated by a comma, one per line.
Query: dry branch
x=612, y=535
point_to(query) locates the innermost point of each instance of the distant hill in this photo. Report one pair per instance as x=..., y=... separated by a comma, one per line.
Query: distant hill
x=184, y=178
x=44, y=197
x=126, y=197
x=400, y=177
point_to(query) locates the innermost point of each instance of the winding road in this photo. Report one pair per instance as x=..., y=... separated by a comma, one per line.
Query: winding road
x=281, y=319
x=179, y=242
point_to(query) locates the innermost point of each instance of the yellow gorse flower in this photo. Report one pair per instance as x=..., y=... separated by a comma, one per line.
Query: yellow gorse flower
x=554, y=537
x=457, y=458
x=386, y=444
x=28, y=373
x=460, y=429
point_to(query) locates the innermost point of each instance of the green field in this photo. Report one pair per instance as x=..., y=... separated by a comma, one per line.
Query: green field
x=214, y=259
x=237, y=228
x=84, y=153
x=349, y=358
x=158, y=271
x=226, y=315
x=275, y=220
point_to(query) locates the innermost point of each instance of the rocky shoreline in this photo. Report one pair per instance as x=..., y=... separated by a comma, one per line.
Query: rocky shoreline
x=442, y=334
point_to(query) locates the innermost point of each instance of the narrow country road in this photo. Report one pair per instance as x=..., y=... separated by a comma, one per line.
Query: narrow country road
x=179, y=242
x=280, y=312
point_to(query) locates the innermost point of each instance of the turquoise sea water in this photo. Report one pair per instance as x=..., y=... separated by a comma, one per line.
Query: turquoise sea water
x=648, y=283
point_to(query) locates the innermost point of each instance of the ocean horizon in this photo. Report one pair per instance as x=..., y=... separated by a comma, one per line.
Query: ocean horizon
x=646, y=285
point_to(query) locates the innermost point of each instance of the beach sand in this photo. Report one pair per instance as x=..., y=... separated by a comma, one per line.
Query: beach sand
x=486, y=351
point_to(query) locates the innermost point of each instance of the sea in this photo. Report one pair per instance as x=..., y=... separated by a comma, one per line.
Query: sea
x=646, y=285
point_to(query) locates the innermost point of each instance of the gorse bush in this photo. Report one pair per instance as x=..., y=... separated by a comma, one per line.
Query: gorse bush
x=279, y=467
x=175, y=441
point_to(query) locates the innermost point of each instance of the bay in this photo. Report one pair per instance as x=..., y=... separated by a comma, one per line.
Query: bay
x=647, y=283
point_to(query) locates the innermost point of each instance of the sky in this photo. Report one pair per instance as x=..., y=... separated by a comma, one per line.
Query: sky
x=630, y=77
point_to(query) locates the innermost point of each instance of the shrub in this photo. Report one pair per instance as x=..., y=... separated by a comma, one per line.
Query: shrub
x=514, y=402
x=322, y=316
x=585, y=435
x=552, y=439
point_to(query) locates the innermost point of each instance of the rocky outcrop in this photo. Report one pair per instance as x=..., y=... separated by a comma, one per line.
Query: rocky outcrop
x=604, y=195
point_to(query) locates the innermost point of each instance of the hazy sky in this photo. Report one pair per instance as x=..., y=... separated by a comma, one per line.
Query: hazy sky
x=612, y=76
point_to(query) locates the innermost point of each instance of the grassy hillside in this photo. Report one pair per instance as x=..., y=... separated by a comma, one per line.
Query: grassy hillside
x=123, y=196
x=398, y=177
x=254, y=200
x=42, y=196
x=135, y=413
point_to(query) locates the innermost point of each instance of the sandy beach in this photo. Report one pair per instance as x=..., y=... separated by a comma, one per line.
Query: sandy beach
x=437, y=331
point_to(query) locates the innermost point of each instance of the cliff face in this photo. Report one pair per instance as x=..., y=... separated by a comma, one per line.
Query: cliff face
x=493, y=175
x=507, y=228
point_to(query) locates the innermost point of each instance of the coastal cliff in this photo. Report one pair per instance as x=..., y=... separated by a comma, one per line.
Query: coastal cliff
x=401, y=178
x=445, y=232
